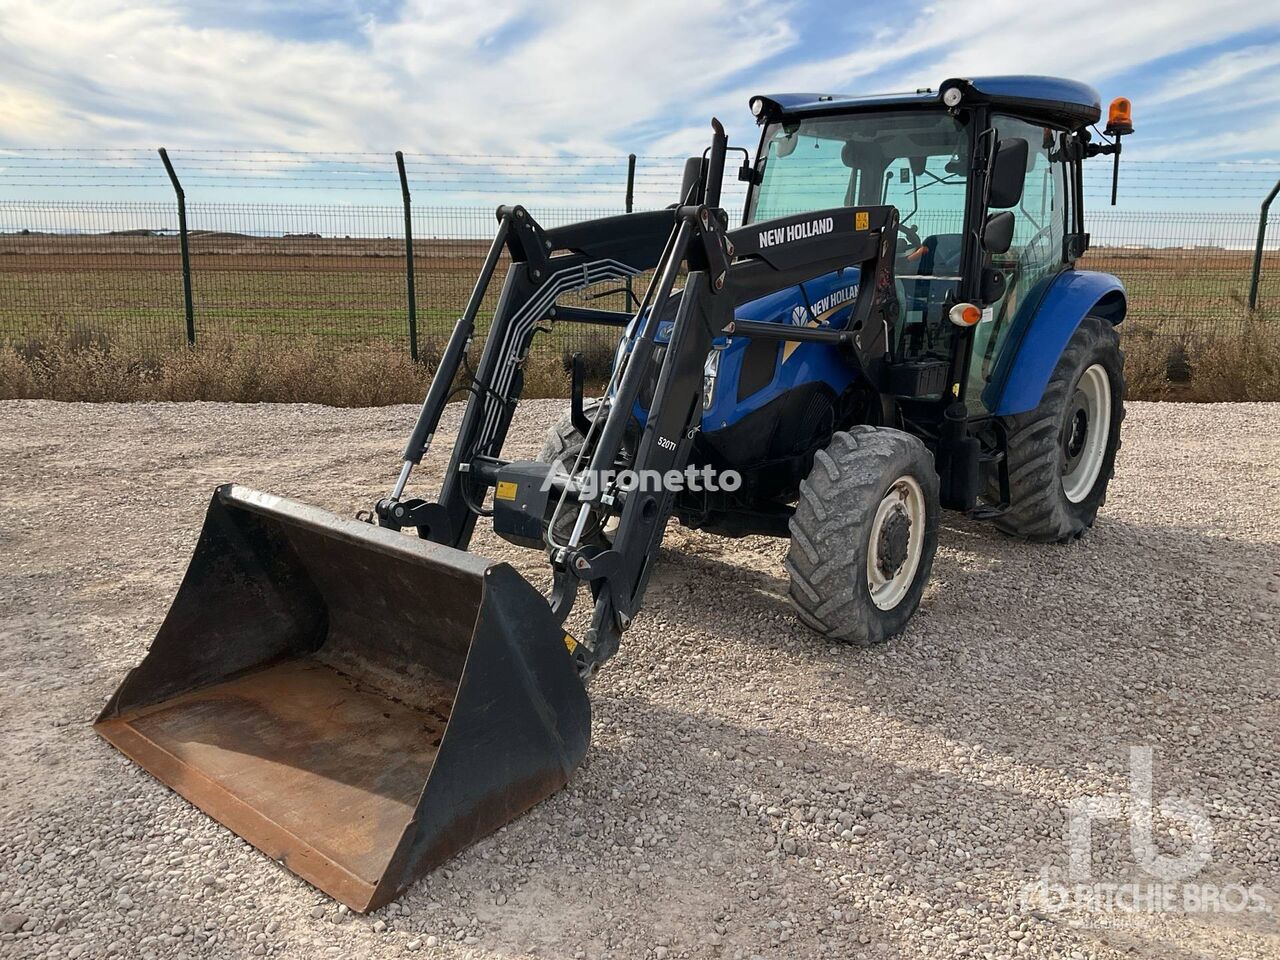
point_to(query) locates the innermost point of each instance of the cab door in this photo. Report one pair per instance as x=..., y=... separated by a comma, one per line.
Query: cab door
x=1036, y=255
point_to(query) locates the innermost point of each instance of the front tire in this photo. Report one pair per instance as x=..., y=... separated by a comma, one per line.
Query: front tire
x=864, y=535
x=564, y=443
x=1063, y=453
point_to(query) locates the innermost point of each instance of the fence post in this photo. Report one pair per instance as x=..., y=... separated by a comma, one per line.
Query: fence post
x=1257, y=250
x=630, y=206
x=410, y=290
x=631, y=181
x=182, y=246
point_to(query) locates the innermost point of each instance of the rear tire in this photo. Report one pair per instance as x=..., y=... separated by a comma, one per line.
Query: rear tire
x=864, y=535
x=1059, y=460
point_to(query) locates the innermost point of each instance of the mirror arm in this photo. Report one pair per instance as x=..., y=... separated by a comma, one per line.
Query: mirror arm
x=983, y=163
x=746, y=172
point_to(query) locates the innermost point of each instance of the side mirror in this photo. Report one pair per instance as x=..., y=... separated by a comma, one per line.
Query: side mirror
x=997, y=232
x=1008, y=173
x=693, y=183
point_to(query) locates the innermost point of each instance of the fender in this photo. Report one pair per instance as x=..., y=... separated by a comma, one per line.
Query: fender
x=1040, y=335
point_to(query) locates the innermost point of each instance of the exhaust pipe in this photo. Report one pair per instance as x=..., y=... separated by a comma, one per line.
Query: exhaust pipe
x=357, y=703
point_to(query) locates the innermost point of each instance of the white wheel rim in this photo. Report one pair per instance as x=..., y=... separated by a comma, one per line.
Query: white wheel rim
x=904, y=498
x=1085, y=434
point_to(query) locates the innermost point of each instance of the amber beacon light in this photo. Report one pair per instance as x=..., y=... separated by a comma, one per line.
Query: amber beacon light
x=1120, y=117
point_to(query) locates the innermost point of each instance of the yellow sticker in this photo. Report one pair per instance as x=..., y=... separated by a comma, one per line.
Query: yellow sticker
x=507, y=490
x=861, y=220
x=570, y=643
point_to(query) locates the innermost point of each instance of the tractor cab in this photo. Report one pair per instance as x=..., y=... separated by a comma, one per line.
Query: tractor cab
x=916, y=161
x=986, y=176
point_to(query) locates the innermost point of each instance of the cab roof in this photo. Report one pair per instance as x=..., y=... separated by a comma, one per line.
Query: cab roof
x=1053, y=100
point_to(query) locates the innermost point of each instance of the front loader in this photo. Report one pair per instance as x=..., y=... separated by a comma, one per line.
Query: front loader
x=897, y=328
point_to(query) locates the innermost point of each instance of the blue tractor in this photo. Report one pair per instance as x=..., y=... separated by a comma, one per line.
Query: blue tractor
x=994, y=385
x=896, y=328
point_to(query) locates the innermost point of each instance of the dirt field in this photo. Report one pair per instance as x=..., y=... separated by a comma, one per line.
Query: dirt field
x=129, y=287
x=750, y=790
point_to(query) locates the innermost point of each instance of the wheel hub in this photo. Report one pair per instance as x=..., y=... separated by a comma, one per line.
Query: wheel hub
x=895, y=535
x=896, y=542
x=1075, y=431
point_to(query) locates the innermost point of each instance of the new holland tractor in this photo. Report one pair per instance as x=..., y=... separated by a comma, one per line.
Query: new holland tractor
x=896, y=328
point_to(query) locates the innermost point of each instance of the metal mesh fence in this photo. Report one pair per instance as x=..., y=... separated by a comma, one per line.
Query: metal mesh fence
x=111, y=272
x=1187, y=274
x=81, y=270
x=335, y=271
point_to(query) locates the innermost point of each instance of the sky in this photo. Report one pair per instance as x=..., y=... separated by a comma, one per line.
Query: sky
x=600, y=78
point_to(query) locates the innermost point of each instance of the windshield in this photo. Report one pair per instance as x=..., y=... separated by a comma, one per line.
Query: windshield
x=916, y=160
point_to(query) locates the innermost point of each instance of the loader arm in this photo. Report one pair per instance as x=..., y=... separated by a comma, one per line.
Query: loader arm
x=726, y=269
x=545, y=265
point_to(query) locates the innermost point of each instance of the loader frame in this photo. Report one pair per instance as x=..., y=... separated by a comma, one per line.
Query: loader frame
x=725, y=268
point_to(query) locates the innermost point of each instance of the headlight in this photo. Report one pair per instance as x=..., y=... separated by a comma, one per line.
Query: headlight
x=710, y=370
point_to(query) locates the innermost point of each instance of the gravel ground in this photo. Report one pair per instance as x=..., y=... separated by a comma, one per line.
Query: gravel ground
x=750, y=790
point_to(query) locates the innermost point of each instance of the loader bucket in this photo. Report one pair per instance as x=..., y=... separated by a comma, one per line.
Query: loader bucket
x=356, y=703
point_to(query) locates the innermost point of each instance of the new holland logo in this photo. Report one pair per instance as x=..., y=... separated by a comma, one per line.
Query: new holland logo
x=823, y=310
x=796, y=231
x=834, y=299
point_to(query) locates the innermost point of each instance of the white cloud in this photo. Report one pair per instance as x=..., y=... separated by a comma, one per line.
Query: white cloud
x=506, y=76
x=1226, y=69
x=1089, y=40
x=515, y=76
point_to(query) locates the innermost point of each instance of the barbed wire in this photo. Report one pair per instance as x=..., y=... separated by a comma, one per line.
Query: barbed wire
x=102, y=154
x=617, y=157
x=479, y=178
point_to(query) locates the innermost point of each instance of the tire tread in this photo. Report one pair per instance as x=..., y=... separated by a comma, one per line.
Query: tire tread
x=1038, y=510
x=826, y=561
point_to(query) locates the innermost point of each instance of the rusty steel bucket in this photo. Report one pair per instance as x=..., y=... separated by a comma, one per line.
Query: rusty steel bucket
x=358, y=704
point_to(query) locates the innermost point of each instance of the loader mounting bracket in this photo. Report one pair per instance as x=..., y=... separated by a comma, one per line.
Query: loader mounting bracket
x=413, y=512
x=714, y=250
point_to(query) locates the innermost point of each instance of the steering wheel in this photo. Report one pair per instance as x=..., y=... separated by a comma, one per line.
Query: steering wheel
x=912, y=234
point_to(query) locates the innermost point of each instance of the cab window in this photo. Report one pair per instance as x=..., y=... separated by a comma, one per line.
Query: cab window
x=803, y=172
x=929, y=192
x=916, y=160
